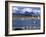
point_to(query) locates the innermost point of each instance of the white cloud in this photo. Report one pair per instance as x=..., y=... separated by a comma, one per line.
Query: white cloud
x=38, y=10
x=35, y=10
x=15, y=8
x=27, y=9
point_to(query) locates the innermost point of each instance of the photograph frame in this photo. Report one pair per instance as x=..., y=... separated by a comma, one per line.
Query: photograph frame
x=6, y=18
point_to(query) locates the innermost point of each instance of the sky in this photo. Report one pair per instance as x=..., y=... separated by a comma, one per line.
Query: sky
x=23, y=9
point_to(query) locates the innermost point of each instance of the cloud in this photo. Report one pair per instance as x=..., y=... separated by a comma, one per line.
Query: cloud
x=27, y=9
x=15, y=8
x=35, y=11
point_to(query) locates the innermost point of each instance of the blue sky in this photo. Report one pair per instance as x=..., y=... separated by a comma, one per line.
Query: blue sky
x=22, y=9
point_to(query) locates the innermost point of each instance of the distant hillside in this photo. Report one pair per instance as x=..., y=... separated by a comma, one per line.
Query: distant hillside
x=26, y=13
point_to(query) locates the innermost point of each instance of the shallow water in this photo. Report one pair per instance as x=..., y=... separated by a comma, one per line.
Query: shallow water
x=27, y=23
